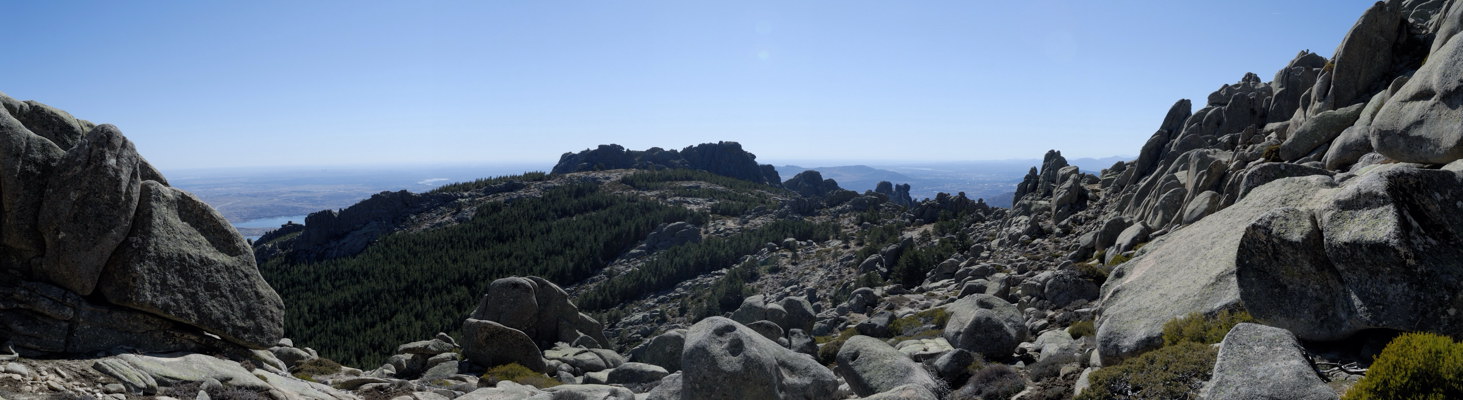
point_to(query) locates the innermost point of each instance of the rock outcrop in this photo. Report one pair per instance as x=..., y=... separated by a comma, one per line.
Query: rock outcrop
x=539, y=309
x=1420, y=121
x=897, y=194
x=100, y=253
x=721, y=158
x=1190, y=270
x=810, y=183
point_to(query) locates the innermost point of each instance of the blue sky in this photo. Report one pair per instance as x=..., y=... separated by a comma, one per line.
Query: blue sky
x=229, y=84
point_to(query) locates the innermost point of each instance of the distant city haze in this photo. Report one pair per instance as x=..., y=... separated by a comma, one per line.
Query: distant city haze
x=335, y=83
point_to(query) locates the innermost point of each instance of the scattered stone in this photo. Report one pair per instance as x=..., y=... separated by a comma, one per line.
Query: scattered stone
x=1257, y=361
x=663, y=350
x=633, y=372
x=986, y=325
x=871, y=366
x=726, y=360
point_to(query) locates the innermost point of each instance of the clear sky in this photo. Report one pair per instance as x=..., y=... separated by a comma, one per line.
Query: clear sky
x=250, y=83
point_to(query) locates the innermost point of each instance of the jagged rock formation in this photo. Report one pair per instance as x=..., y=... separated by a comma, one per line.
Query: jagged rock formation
x=721, y=158
x=100, y=253
x=897, y=194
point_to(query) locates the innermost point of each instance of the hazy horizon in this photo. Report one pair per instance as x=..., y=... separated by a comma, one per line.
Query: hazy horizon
x=221, y=85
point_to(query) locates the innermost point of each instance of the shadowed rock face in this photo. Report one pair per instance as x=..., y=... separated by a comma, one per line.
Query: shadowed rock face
x=183, y=261
x=93, y=195
x=1382, y=251
x=98, y=252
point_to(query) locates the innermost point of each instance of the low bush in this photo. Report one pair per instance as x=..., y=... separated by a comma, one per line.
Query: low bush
x=1198, y=328
x=308, y=370
x=1050, y=366
x=1414, y=366
x=519, y=374
x=992, y=382
x=1093, y=272
x=1272, y=153
x=1172, y=372
x=1082, y=328
x=828, y=352
x=1119, y=259
x=934, y=316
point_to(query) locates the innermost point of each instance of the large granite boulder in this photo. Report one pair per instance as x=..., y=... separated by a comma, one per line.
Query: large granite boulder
x=1382, y=251
x=1262, y=362
x=1189, y=270
x=871, y=366
x=756, y=308
x=985, y=324
x=135, y=263
x=1107, y=234
x=539, y=309
x=1318, y=131
x=800, y=313
x=1269, y=172
x=1364, y=56
x=490, y=344
x=1420, y=122
x=726, y=360
x=663, y=350
x=90, y=201
x=1064, y=287
x=185, y=262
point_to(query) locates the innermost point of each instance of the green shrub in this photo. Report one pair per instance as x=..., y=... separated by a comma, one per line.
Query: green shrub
x=1414, y=366
x=828, y=352
x=1198, y=328
x=1272, y=153
x=1050, y=366
x=1082, y=328
x=1119, y=260
x=519, y=374
x=934, y=316
x=1093, y=272
x=925, y=334
x=320, y=366
x=1172, y=372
